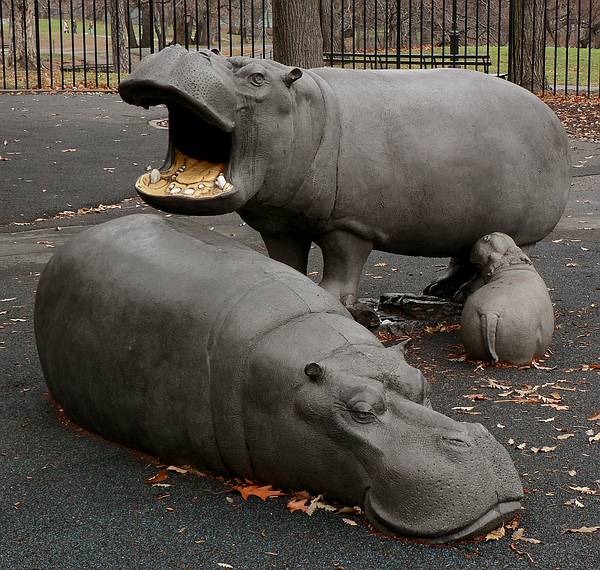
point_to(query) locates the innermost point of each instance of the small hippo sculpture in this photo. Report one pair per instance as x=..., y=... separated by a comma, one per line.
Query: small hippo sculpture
x=414, y=162
x=181, y=343
x=510, y=318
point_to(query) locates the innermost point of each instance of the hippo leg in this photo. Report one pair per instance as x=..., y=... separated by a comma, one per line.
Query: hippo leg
x=459, y=272
x=289, y=249
x=344, y=256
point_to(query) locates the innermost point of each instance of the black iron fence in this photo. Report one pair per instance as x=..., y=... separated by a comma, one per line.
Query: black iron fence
x=545, y=45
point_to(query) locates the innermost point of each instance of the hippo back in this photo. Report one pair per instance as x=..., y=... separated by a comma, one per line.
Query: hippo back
x=143, y=325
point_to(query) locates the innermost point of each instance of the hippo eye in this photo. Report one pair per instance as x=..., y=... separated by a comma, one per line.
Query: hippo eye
x=362, y=413
x=257, y=79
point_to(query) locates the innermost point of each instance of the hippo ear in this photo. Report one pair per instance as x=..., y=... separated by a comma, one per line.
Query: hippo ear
x=401, y=346
x=292, y=75
x=314, y=371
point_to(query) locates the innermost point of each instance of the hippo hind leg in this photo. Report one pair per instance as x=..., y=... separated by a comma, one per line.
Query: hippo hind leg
x=454, y=282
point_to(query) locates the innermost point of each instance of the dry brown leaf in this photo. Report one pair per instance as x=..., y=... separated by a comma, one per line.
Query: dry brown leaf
x=177, y=469
x=297, y=505
x=161, y=476
x=585, y=490
x=475, y=397
x=224, y=565
x=583, y=529
x=350, y=522
x=595, y=416
x=263, y=492
x=594, y=438
x=496, y=534
x=565, y=436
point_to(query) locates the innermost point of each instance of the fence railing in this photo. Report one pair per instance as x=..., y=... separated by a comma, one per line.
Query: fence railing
x=545, y=45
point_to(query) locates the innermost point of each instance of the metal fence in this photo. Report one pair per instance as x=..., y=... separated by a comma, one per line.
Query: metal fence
x=545, y=45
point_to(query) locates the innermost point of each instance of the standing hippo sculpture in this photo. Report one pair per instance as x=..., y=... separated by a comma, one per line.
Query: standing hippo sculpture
x=414, y=162
x=186, y=345
x=510, y=318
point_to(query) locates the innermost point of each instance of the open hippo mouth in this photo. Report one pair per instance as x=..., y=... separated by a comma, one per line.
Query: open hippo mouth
x=198, y=90
x=197, y=167
x=490, y=520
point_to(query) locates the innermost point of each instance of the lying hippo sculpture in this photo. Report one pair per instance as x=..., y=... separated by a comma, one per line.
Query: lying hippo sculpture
x=415, y=162
x=184, y=344
x=510, y=318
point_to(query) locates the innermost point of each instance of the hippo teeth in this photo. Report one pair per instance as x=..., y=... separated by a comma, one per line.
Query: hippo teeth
x=186, y=178
x=154, y=176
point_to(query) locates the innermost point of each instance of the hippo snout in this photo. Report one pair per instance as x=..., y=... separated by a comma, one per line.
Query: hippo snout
x=443, y=481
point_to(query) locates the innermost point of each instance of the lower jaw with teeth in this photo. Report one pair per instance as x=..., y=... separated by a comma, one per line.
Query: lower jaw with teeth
x=187, y=178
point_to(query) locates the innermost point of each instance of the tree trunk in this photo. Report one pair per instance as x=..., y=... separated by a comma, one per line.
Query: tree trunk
x=118, y=35
x=526, y=65
x=23, y=48
x=146, y=36
x=297, y=38
x=331, y=22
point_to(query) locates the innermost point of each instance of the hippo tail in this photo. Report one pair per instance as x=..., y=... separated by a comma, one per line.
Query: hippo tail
x=489, y=325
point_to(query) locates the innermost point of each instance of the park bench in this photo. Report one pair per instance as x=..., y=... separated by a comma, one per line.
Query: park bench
x=69, y=67
x=425, y=60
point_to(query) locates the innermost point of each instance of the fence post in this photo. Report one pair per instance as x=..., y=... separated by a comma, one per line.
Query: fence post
x=454, y=35
x=151, y=9
x=511, y=40
x=38, y=55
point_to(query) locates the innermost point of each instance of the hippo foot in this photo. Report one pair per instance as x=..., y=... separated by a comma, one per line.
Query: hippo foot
x=364, y=315
x=459, y=273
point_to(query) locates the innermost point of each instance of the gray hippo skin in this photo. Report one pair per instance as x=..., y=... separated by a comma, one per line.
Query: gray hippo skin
x=414, y=162
x=511, y=318
x=183, y=344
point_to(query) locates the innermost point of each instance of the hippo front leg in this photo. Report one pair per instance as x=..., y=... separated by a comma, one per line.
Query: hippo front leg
x=289, y=249
x=344, y=255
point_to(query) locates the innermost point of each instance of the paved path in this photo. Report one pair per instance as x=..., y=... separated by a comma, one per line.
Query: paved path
x=73, y=500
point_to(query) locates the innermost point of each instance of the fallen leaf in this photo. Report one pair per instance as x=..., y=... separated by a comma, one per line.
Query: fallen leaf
x=592, y=418
x=69, y=150
x=46, y=243
x=583, y=529
x=592, y=439
x=585, y=490
x=572, y=473
x=177, y=469
x=350, y=522
x=548, y=419
x=297, y=505
x=161, y=476
x=224, y=565
x=565, y=436
x=496, y=534
x=262, y=492
x=475, y=397
x=519, y=536
x=544, y=449
x=380, y=264
x=575, y=503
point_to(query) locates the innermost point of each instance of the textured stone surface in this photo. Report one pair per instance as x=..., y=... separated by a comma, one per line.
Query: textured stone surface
x=178, y=342
x=420, y=162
